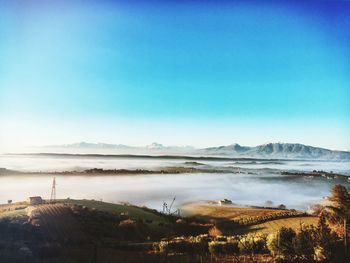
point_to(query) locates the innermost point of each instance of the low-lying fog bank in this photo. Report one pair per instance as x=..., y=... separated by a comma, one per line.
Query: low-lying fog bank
x=245, y=182
x=152, y=190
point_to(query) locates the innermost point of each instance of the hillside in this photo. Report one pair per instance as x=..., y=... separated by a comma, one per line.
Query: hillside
x=250, y=219
x=94, y=231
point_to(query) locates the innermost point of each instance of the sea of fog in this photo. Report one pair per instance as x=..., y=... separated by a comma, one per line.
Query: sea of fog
x=152, y=190
x=50, y=163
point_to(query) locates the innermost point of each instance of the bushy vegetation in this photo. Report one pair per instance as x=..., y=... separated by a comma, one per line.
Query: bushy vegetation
x=224, y=247
x=309, y=245
x=338, y=213
x=321, y=243
x=253, y=244
x=197, y=244
x=246, y=244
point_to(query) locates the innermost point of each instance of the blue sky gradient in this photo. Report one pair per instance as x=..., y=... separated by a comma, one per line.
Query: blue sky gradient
x=140, y=71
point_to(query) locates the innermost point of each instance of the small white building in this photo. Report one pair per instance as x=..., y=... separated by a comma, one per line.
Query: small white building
x=225, y=202
x=34, y=200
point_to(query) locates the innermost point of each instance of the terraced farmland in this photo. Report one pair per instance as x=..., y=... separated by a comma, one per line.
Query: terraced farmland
x=251, y=219
x=232, y=213
x=56, y=221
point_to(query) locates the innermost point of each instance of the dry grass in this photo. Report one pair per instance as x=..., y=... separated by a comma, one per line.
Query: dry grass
x=12, y=207
x=15, y=212
x=226, y=212
x=20, y=214
x=293, y=222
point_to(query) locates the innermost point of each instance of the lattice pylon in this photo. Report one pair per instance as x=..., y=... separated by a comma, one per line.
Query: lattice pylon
x=53, y=191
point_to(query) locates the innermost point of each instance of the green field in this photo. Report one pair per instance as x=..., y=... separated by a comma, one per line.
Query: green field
x=132, y=211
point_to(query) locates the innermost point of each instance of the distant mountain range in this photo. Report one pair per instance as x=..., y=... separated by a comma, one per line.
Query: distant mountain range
x=278, y=151
x=105, y=148
x=269, y=150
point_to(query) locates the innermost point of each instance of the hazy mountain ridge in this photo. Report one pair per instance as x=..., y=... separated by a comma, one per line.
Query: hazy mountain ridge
x=89, y=145
x=269, y=150
x=278, y=151
x=85, y=147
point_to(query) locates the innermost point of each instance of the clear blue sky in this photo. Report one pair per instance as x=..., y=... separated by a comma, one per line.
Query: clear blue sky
x=176, y=72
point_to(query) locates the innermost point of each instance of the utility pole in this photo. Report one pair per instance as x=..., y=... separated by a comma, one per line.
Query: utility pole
x=171, y=205
x=278, y=242
x=53, y=190
x=345, y=236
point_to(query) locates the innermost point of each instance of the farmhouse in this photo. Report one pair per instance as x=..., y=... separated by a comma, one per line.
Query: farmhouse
x=225, y=202
x=34, y=200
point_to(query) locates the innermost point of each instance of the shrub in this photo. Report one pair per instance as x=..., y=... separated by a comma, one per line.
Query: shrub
x=320, y=255
x=223, y=247
x=316, y=209
x=281, y=206
x=232, y=247
x=325, y=240
x=200, y=243
x=216, y=247
x=253, y=244
x=284, y=241
x=181, y=245
x=178, y=245
x=310, y=244
x=180, y=221
x=127, y=223
x=214, y=232
x=304, y=243
x=271, y=244
x=163, y=246
x=221, y=238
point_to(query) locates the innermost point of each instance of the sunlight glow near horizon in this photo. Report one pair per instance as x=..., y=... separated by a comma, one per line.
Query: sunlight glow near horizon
x=176, y=73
